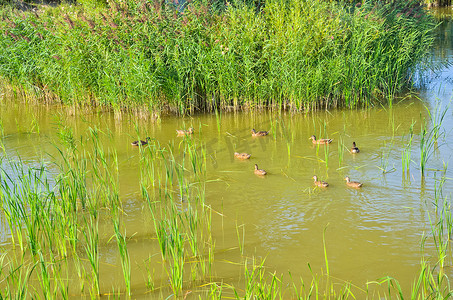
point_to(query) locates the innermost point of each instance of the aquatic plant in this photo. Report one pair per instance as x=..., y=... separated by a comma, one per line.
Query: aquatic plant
x=124, y=254
x=406, y=152
x=144, y=56
x=384, y=158
x=430, y=134
x=341, y=147
x=91, y=236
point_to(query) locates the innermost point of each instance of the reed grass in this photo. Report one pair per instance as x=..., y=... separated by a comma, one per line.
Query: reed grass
x=430, y=133
x=341, y=147
x=384, y=158
x=91, y=236
x=241, y=241
x=124, y=255
x=141, y=55
x=406, y=152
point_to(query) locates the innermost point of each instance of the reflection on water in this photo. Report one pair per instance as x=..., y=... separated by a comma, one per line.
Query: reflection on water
x=371, y=232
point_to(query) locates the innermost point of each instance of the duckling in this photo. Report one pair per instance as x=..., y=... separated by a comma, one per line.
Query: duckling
x=259, y=133
x=259, y=171
x=354, y=184
x=320, y=141
x=143, y=143
x=242, y=155
x=320, y=183
x=354, y=148
x=184, y=132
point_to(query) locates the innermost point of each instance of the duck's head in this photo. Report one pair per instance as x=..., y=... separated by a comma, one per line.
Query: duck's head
x=312, y=138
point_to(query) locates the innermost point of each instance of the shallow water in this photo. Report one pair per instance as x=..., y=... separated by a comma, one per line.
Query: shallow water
x=369, y=233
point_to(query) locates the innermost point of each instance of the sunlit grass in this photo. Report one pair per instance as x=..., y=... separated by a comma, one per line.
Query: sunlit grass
x=297, y=55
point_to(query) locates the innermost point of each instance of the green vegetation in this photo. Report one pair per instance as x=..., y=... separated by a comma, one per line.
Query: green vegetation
x=139, y=55
x=145, y=56
x=430, y=135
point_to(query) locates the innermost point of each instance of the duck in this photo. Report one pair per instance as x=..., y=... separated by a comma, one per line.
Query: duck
x=320, y=183
x=184, y=132
x=320, y=141
x=354, y=148
x=242, y=155
x=354, y=184
x=259, y=171
x=259, y=133
x=140, y=142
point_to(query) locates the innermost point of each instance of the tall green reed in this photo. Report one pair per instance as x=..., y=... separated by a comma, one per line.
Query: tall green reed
x=180, y=217
x=17, y=277
x=406, y=152
x=295, y=54
x=91, y=237
x=258, y=284
x=341, y=147
x=385, y=158
x=430, y=134
x=124, y=255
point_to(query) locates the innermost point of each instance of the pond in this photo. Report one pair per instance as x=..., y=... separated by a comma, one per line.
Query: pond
x=282, y=218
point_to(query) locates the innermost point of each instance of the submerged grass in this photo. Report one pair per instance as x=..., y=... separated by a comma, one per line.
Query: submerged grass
x=148, y=56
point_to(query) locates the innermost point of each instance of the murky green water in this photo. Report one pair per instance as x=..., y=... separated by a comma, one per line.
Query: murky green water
x=370, y=233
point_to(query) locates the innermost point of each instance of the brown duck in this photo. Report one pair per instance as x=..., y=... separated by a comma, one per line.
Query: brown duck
x=140, y=142
x=320, y=141
x=320, y=183
x=354, y=148
x=354, y=184
x=184, y=132
x=242, y=155
x=259, y=171
x=259, y=133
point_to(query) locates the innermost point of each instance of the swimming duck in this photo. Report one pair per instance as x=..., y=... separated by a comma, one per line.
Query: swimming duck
x=259, y=133
x=259, y=171
x=184, y=132
x=242, y=155
x=320, y=183
x=143, y=143
x=354, y=184
x=320, y=141
x=354, y=148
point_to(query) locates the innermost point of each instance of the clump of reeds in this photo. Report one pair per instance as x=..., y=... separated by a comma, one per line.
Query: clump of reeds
x=291, y=54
